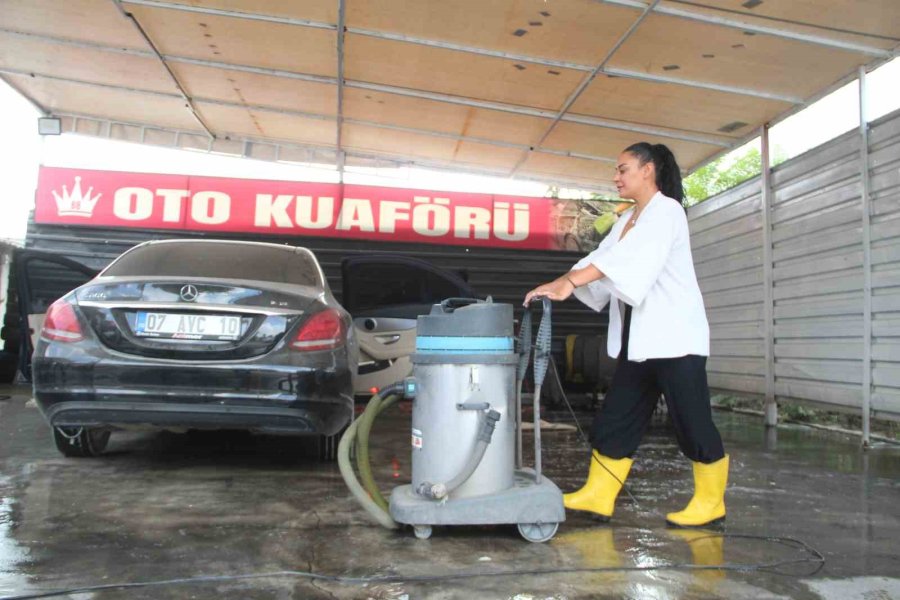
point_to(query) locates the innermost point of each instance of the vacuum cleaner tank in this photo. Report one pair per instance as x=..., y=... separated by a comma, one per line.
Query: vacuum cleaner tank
x=464, y=365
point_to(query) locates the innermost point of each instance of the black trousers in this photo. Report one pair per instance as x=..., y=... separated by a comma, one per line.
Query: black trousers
x=622, y=420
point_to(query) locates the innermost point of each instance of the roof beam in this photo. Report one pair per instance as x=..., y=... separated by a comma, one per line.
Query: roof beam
x=614, y=72
x=796, y=36
x=585, y=83
x=477, y=140
x=398, y=37
x=109, y=132
x=315, y=116
x=408, y=39
x=435, y=96
x=544, y=114
x=173, y=58
x=218, y=12
x=715, y=87
x=187, y=100
x=689, y=136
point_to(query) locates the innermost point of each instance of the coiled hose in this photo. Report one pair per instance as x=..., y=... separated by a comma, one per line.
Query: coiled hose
x=364, y=488
x=357, y=436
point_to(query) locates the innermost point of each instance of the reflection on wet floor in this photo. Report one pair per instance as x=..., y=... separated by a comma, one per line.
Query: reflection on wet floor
x=162, y=505
x=12, y=554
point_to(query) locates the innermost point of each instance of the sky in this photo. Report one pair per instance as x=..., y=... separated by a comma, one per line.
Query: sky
x=23, y=150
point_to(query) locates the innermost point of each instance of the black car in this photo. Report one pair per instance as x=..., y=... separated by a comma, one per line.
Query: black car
x=197, y=334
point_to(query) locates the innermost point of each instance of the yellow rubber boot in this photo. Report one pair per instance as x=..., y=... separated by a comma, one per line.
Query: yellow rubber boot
x=707, y=507
x=605, y=479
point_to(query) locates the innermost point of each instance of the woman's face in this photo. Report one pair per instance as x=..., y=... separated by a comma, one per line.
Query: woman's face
x=631, y=176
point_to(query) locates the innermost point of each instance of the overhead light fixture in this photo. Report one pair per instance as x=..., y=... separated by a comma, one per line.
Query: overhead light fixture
x=49, y=126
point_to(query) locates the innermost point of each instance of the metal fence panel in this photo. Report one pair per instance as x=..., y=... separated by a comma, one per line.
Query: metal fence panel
x=726, y=238
x=884, y=165
x=818, y=275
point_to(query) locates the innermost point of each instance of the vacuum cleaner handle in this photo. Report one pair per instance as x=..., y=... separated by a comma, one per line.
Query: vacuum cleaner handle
x=542, y=344
x=523, y=345
x=448, y=305
x=541, y=362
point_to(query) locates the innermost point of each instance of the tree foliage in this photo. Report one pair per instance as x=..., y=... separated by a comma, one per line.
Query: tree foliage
x=722, y=174
x=718, y=176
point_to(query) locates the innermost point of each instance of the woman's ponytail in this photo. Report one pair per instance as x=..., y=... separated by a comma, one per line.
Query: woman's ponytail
x=668, y=173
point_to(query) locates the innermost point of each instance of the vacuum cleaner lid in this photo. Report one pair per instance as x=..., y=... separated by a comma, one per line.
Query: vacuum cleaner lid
x=464, y=331
x=476, y=319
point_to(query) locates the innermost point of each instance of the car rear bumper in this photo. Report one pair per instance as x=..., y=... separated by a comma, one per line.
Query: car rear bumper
x=318, y=418
x=308, y=399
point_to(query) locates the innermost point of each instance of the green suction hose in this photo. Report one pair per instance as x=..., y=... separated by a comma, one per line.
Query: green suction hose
x=363, y=465
x=357, y=435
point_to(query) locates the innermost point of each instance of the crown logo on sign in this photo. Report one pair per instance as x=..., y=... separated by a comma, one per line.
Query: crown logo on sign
x=75, y=203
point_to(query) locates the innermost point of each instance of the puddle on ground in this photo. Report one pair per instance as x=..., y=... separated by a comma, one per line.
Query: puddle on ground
x=856, y=588
x=12, y=555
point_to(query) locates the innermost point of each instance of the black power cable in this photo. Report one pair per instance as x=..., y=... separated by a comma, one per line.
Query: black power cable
x=583, y=436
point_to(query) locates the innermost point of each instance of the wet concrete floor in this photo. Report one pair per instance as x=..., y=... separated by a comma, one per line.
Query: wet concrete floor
x=161, y=506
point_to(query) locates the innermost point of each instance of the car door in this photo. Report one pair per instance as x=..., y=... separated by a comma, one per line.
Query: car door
x=41, y=279
x=385, y=295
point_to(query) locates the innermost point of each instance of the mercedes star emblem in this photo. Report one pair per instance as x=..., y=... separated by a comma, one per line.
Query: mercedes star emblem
x=189, y=293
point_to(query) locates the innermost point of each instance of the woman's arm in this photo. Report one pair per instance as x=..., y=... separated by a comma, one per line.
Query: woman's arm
x=562, y=287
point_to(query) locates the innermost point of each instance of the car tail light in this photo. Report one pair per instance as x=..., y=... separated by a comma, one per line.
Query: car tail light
x=323, y=331
x=61, y=323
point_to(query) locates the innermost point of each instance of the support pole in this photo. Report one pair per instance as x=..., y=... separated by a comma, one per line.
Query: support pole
x=340, y=157
x=768, y=279
x=867, y=258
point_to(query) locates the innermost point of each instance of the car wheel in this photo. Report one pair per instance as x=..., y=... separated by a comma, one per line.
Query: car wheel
x=81, y=442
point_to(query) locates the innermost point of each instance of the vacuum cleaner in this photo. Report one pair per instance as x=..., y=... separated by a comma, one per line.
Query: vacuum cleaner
x=466, y=437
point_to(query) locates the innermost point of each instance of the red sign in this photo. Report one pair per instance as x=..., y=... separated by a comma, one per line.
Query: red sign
x=189, y=203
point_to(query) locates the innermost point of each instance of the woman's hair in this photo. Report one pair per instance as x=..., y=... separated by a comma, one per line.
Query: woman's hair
x=668, y=174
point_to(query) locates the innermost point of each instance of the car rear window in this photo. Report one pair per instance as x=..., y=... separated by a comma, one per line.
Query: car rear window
x=218, y=261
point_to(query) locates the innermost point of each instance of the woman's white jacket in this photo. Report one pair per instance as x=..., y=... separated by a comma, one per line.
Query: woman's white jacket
x=651, y=269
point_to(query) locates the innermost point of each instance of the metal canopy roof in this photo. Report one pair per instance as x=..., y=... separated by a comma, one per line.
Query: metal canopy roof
x=546, y=90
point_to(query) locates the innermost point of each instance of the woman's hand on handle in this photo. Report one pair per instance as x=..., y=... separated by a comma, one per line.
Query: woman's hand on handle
x=558, y=290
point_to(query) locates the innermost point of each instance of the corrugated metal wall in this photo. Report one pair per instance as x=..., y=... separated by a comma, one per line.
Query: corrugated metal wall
x=726, y=235
x=817, y=275
x=884, y=161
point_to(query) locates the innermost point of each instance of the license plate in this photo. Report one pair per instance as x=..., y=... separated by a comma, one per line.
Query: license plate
x=188, y=326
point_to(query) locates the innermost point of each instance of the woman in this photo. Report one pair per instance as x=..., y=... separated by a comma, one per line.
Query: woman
x=659, y=333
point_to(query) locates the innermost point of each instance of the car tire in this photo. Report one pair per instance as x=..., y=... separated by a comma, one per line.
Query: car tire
x=327, y=446
x=81, y=442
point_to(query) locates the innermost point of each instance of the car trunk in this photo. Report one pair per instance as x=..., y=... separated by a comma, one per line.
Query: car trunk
x=193, y=321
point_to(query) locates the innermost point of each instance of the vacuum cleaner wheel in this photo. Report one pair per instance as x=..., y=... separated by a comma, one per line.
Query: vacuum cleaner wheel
x=538, y=532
